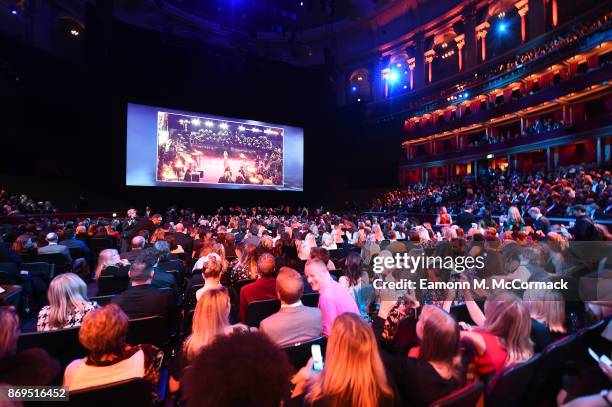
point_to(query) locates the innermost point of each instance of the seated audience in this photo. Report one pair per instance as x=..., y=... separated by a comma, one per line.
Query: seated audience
x=110, y=359
x=137, y=245
x=68, y=304
x=69, y=240
x=264, y=288
x=246, y=268
x=30, y=367
x=259, y=372
x=25, y=248
x=435, y=368
x=355, y=280
x=547, y=311
x=294, y=322
x=165, y=260
x=211, y=275
x=353, y=374
x=503, y=334
x=110, y=264
x=333, y=299
x=53, y=247
x=142, y=299
x=210, y=320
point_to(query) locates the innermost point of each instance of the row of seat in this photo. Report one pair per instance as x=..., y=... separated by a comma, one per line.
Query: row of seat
x=535, y=382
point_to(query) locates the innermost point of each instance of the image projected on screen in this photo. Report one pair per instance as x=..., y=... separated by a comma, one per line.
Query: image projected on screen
x=193, y=149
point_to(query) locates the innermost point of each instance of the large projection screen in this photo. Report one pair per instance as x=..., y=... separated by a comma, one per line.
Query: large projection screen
x=175, y=148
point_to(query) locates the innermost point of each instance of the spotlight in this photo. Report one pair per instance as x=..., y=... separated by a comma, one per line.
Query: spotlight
x=405, y=86
x=360, y=78
x=302, y=3
x=195, y=122
x=223, y=126
x=489, y=156
x=393, y=76
x=255, y=130
x=502, y=27
x=465, y=95
x=241, y=128
x=354, y=88
x=74, y=33
x=359, y=100
x=399, y=65
x=209, y=124
x=14, y=11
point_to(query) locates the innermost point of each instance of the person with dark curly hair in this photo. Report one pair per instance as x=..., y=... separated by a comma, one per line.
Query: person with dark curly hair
x=250, y=360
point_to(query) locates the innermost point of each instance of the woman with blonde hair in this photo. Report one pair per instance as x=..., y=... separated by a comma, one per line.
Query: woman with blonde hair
x=303, y=247
x=377, y=233
x=210, y=320
x=354, y=374
x=68, y=304
x=110, y=263
x=503, y=336
x=547, y=312
x=514, y=220
x=434, y=369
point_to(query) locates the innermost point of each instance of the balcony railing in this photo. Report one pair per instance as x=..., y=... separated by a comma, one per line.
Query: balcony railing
x=601, y=126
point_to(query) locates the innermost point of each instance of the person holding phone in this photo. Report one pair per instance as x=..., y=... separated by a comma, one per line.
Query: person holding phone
x=353, y=374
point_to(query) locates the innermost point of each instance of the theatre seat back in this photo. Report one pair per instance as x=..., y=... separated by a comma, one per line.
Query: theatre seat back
x=469, y=396
x=257, y=311
x=510, y=387
x=111, y=285
x=133, y=392
x=61, y=344
x=547, y=380
x=300, y=352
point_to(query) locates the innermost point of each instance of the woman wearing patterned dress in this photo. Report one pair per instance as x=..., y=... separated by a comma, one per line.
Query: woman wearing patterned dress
x=68, y=304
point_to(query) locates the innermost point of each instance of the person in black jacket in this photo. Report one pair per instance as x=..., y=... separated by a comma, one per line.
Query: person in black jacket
x=540, y=222
x=466, y=218
x=145, y=224
x=584, y=229
x=143, y=299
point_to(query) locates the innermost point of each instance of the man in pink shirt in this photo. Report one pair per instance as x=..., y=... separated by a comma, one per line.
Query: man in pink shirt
x=333, y=298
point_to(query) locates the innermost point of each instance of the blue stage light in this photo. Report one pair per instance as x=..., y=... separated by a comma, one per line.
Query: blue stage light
x=301, y=3
x=501, y=27
x=465, y=95
x=393, y=76
x=14, y=11
x=354, y=88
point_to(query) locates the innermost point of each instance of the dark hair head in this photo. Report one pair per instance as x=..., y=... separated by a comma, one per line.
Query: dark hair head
x=353, y=268
x=249, y=359
x=171, y=242
x=68, y=234
x=320, y=253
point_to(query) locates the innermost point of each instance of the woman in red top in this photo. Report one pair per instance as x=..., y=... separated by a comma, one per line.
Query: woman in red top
x=444, y=217
x=503, y=334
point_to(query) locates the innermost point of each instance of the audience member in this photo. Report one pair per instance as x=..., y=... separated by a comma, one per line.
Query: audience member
x=30, y=367
x=68, y=304
x=333, y=299
x=264, y=288
x=110, y=358
x=294, y=322
x=210, y=320
x=142, y=299
x=258, y=369
x=353, y=375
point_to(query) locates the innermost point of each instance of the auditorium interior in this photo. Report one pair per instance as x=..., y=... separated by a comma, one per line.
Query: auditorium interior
x=306, y=203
